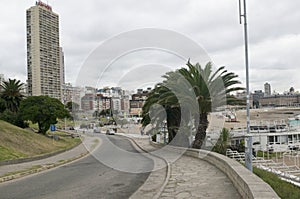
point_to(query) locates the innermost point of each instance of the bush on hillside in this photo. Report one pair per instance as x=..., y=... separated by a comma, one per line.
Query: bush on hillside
x=13, y=118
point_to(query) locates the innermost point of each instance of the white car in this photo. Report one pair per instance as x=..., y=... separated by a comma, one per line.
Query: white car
x=110, y=132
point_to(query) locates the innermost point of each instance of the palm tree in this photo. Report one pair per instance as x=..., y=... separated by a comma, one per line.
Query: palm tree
x=191, y=93
x=11, y=94
x=212, y=90
x=170, y=111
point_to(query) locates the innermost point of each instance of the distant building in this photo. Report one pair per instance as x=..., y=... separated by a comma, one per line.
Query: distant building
x=62, y=65
x=44, y=64
x=71, y=94
x=136, y=107
x=88, y=102
x=2, y=79
x=125, y=105
x=256, y=98
x=137, y=102
x=114, y=99
x=267, y=87
x=116, y=105
x=280, y=100
x=102, y=103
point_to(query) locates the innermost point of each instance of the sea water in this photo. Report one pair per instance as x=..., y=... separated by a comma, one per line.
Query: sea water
x=294, y=123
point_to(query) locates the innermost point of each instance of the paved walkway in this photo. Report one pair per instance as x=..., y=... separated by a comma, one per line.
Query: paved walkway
x=77, y=152
x=194, y=178
x=188, y=177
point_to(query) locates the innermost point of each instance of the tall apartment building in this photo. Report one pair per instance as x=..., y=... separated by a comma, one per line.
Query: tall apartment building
x=267, y=89
x=62, y=65
x=43, y=52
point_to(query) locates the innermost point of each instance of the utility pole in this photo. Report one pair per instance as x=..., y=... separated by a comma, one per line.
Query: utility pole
x=248, y=151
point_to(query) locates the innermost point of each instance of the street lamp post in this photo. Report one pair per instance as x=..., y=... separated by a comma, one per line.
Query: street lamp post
x=248, y=152
x=164, y=129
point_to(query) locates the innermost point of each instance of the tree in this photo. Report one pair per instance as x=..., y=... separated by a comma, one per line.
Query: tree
x=72, y=106
x=223, y=142
x=212, y=90
x=11, y=94
x=168, y=110
x=105, y=112
x=43, y=110
x=191, y=93
x=2, y=105
x=13, y=118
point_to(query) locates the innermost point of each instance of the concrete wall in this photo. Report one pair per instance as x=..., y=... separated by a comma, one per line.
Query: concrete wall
x=247, y=184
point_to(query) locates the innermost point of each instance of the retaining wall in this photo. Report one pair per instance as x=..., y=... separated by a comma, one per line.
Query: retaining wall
x=247, y=184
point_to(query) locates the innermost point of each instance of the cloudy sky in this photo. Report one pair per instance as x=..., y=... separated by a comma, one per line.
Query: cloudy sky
x=87, y=26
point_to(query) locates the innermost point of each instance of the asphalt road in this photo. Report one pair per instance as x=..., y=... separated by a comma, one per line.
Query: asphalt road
x=85, y=178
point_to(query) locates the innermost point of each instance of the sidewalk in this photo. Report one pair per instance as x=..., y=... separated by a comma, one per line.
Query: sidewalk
x=13, y=171
x=188, y=177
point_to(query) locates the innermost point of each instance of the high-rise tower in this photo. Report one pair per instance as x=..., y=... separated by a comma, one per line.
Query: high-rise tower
x=43, y=52
x=267, y=89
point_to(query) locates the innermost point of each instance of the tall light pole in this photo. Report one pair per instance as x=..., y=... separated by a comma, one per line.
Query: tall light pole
x=248, y=152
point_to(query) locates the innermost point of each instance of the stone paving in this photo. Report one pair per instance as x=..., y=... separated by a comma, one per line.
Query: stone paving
x=194, y=178
x=189, y=177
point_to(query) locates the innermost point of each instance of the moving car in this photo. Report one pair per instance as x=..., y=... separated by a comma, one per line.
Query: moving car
x=110, y=132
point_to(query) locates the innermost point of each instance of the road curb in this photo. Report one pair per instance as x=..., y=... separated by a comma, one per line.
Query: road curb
x=168, y=168
x=37, y=170
x=39, y=157
x=29, y=171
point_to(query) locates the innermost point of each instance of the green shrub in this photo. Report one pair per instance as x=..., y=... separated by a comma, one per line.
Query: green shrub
x=13, y=118
x=282, y=188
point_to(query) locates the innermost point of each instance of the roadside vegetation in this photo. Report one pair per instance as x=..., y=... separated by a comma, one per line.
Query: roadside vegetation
x=189, y=94
x=43, y=110
x=284, y=190
x=223, y=142
x=269, y=155
x=17, y=143
x=18, y=111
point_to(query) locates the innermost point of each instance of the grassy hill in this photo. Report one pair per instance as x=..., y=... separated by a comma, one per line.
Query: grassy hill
x=16, y=142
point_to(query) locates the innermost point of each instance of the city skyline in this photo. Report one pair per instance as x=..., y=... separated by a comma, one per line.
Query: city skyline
x=274, y=35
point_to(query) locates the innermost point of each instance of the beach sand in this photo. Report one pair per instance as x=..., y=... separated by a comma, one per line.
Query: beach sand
x=262, y=115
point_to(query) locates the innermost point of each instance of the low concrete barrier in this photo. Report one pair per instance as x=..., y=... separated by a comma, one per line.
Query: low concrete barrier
x=247, y=184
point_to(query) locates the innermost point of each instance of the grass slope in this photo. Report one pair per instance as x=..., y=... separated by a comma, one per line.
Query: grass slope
x=16, y=143
x=284, y=190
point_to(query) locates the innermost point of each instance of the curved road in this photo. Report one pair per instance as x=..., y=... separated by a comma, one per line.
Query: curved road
x=85, y=178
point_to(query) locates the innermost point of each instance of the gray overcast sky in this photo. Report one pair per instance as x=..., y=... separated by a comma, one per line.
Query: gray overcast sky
x=274, y=35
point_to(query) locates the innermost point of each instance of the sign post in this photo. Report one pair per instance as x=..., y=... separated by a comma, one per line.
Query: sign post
x=52, y=127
